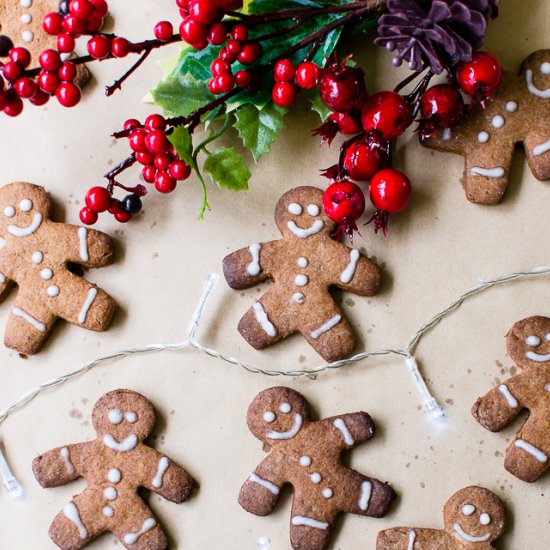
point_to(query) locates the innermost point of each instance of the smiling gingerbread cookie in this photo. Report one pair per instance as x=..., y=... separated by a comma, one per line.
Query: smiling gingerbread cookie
x=35, y=255
x=474, y=518
x=518, y=113
x=528, y=345
x=303, y=265
x=114, y=465
x=306, y=455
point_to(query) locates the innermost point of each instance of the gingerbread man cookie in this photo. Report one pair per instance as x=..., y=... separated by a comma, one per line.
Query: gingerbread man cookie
x=306, y=455
x=35, y=255
x=21, y=25
x=474, y=518
x=303, y=265
x=528, y=345
x=518, y=113
x=114, y=465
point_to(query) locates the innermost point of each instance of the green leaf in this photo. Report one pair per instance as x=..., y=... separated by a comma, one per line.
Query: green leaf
x=183, y=144
x=259, y=128
x=181, y=94
x=319, y=107
x=227, y=169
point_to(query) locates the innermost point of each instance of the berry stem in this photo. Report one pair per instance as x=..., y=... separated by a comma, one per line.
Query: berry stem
x=117, y=84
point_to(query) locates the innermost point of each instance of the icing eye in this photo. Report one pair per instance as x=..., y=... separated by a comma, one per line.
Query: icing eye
x=313, y=210
x=485, y=519
x=285, y=408
x=294, y=208
x=545, y=68
x=269, y=416
x=130, y=416
x=26, y=205
x=532, y=341
x=115, y=416
x=547, y=336
x=9, y=211
x=468, y=509
x=511, y=106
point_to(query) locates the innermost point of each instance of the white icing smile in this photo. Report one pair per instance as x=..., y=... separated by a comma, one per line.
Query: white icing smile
x=544, y=94
x=26, y=231
x=537, y=356
x=315, y=227
x=469, y=538
x=296, y=426
x=124, y=446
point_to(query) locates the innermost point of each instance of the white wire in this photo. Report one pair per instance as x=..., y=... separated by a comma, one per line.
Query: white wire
x=191, y=342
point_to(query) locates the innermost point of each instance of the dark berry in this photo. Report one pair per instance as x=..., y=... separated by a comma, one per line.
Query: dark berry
x=131, y=204
x=6, y=45
x=63, y=7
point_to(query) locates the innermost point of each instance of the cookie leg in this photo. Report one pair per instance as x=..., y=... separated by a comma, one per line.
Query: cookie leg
x=310, y=526
x=83, y=304
x=78, y=523
x=537, y=151
x=408, y=538
x=364, y=495
x=28, y=327
x=527, y=457
x=139, y=530
x=329, y=332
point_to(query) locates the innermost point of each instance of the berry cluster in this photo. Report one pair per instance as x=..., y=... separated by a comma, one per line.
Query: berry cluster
x=161, y=167
x=288, y=78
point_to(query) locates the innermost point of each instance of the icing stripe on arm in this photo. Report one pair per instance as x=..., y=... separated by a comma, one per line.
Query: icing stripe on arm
x=263, y=320
x=493, y=173
x=271, y=487
x=83, y=238
x=340, y=425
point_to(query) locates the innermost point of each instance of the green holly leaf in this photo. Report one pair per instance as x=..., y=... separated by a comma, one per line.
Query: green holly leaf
x=227, y=169
x=183, y=144
x=319, y=107
x=181, y=94
x=259, y=128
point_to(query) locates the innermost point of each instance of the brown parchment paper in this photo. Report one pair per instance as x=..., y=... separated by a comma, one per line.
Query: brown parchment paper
x=437, y=249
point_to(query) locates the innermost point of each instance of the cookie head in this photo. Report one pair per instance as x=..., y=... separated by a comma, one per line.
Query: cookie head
x=277, y=414
x=122, y=417
x=23, y=208
x=528, y=341
x=537, y=73
x=474, y=515
x=299, y=214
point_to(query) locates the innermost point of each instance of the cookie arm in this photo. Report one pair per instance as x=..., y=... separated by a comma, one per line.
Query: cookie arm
x=83, y=246
x=498, y=407
x=351, y=428
x=359, y=275
x=245, y=268
x=261, y=490
x=58, y=466
x=166, y=477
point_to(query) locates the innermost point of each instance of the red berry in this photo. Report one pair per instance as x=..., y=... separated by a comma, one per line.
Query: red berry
x=50, y=60
x=228, y=5
x=361, y=162
x=203, y=12
x=234, y=47
x=226, y=56
x=217, y=34
x=157, y=142
x=25, y=87
x=11, y=71
x=390, y=190
x=21, y=56
x=48, y=82
x=73, y=25
x=67, y=71
x=88, y=216
x=52, y=23
x=219, y=66
x=98, y=199
x=249, y=53
x=182, y=4
x=65, y=42
x=344, y=202
x=441, y=106
x=39, y=98
x=192, y=32
x=284, y=94
x=213, y=86
x=239, y=32
x=131, y=124
x=145, y=158
x=149, y=173
x=164, y=31
x=243, y=79
x=122, y=216
x=164, y=182
x=480, y=77
x=307, y=75
x=387, y=114
x=95, y=23
x=99, y=46
x=180, y=170
x=155, y=122
x=346, y=124
x=115, y=206
x=342, y=88
x=68, y=94
x=81, y=9
x=100, y=7
x=120, y=47
x=225, y=82
x=14, y=105
x=162, y=162
x=137, y=140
